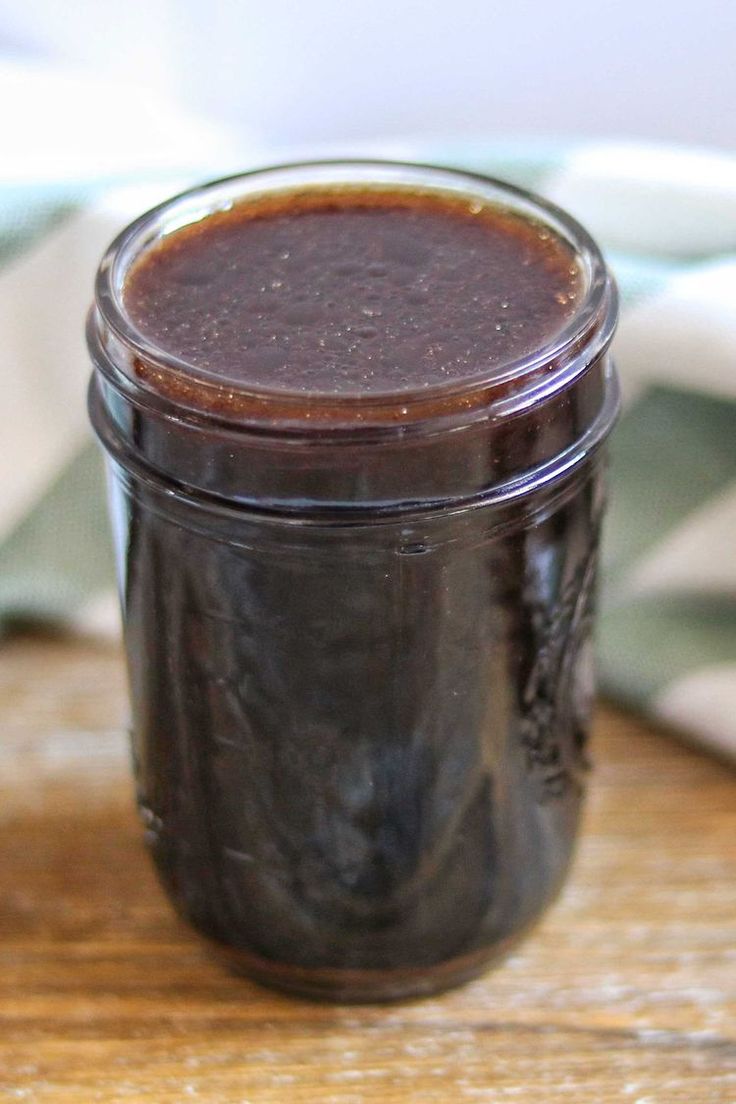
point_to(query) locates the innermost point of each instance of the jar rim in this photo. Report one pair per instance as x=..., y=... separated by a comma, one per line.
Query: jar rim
x=514, y=385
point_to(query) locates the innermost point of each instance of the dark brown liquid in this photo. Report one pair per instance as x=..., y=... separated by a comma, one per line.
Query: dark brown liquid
x=355, y=293
x=360, y=754
x=358, y=749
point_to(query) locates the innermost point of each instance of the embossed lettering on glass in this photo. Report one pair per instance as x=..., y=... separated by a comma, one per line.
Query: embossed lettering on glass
x=354, y=417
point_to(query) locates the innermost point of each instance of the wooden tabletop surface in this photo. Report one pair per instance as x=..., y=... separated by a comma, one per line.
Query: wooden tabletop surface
x=626, y=992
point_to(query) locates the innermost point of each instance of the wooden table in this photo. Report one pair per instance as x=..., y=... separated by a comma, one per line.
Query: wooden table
x=626, y=992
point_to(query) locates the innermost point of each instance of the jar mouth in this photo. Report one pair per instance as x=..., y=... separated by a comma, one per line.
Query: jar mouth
x=501, y=390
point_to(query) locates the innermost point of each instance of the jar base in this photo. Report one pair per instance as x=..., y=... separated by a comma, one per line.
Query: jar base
x=350, y=986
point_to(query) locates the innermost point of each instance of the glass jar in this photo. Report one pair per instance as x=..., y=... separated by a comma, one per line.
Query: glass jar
x=358, y=630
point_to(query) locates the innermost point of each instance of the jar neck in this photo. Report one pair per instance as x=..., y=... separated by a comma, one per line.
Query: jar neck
x=485, y=462
x=528, y=421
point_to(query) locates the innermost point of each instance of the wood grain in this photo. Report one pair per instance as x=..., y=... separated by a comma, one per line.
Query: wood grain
x=626, y=992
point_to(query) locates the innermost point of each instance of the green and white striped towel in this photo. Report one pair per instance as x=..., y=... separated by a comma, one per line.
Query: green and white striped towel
x=667, y=220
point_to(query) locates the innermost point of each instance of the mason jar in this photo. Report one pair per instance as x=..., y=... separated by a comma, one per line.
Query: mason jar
x=358, y=627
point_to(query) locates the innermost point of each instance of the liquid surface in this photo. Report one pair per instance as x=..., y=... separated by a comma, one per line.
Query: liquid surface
x=354, y=292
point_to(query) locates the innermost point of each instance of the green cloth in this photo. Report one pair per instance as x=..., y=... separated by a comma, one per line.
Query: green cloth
x=668, y=225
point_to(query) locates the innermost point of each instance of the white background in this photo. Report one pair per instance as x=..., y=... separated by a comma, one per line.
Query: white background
x=301, y=71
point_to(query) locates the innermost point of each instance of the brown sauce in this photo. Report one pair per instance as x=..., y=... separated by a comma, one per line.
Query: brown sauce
x=354, y=293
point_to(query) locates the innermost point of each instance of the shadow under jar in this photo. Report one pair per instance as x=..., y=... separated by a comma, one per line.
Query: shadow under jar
x=353, y=416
